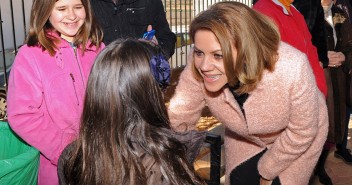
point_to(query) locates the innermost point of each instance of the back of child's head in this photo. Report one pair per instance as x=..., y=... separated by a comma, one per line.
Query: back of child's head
x=125, y=123
x=123, y=86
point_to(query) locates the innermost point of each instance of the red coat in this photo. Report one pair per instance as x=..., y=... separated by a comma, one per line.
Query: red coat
x=294, y=31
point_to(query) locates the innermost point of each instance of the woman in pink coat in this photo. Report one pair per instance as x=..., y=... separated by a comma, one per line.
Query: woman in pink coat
x=49, y=76
x=261, y=89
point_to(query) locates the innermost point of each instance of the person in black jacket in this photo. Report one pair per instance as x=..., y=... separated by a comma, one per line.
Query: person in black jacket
x=313, y=14
x=346, y=6
x=131, y=18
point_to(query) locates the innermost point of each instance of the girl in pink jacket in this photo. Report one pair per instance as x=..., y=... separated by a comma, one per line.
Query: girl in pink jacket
x=48, y=78
x=262, y=90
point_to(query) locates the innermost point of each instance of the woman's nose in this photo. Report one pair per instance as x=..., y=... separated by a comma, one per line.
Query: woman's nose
x=206, y=64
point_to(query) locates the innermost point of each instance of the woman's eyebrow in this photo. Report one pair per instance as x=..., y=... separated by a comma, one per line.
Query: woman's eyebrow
x=217, y=50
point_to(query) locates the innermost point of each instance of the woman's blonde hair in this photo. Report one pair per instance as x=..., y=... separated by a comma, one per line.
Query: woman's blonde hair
x=40, y=26
x=255, y=37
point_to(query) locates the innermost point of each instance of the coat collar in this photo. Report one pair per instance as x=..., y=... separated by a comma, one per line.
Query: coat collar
x=65, y=44
x=278, y=3
x=230, y=99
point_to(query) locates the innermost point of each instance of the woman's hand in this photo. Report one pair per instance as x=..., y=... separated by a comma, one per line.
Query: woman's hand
x=265, y=181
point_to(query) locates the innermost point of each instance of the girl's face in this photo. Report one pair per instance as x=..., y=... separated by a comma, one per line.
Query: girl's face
x=208, y=60
x=67, y=17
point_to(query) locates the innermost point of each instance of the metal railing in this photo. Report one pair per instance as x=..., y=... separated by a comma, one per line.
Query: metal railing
x=179, y=14
x=14, y=16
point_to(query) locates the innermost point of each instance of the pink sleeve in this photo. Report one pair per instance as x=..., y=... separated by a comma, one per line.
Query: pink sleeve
x=302, y=128
x=188, y=102
x=27, y=114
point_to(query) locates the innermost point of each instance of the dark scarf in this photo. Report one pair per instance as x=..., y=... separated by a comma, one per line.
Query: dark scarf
x=240, y=98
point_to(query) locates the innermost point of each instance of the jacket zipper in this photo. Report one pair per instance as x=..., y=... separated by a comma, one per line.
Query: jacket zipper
x=74, y=87
x=79, y=67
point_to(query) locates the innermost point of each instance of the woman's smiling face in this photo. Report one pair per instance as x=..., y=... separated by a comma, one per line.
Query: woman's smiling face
x=208, y=60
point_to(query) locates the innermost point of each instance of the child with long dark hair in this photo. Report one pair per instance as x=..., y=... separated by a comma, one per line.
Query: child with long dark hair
x=125, y=137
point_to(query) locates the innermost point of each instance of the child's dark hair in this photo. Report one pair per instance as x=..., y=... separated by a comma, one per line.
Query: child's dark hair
x=124, y=122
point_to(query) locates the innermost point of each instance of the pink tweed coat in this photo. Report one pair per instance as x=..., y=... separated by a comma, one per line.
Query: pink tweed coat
x=286, y=114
